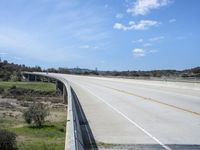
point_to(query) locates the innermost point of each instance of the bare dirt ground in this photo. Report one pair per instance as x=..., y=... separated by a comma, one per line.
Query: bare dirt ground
x=12, y=108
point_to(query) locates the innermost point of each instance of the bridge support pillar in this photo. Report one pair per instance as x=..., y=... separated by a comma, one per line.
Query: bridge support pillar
x=61, y=88
x=30, y=77
x=65, y=100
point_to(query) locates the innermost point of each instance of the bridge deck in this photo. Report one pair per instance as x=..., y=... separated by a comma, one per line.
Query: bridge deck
x=125, y=113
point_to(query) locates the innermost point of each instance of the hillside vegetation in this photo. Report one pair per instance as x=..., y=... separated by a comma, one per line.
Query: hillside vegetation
x=11, y=71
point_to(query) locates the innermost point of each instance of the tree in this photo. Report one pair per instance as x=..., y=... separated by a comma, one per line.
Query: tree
x=36, y=114
x=7, y=140
x=15, y=76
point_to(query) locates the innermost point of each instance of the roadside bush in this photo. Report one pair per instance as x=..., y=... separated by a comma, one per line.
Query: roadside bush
x=28, y=117
x=1, y=90
x=36, y=114
x=15, y=76
x=7, y=140
x=6, y=94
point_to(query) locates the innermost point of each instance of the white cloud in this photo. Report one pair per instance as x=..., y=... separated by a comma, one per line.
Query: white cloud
x=29, y=45
x=138, y=41
x=17, y=58
x=95, y=47
x=147, y=45
x=88, y=47
x=141, y=25
x=84, y=46
x=119, y=16
x=142, y=7
x=119, y=26
x=154, y=39
x=153, y=51
x=3, y=53
x=172, y=20
x=138, y=52
x=62, y=26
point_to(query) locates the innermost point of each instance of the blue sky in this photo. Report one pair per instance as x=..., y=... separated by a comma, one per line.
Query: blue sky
x=107, y=34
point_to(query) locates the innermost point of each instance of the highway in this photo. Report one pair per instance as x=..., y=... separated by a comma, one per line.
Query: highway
x=139, y=114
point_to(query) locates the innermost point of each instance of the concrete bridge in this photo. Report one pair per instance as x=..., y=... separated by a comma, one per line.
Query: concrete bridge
x=110, y=113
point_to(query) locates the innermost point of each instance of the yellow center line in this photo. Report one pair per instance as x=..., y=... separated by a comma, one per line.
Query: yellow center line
x=149, y=99
x=153, y=100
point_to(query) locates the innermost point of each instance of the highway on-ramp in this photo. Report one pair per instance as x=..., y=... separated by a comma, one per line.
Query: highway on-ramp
x=139, y=114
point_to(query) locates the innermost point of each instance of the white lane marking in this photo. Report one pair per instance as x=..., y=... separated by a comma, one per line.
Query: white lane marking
x=147, y=98
x=162, y=91
x=131, y=121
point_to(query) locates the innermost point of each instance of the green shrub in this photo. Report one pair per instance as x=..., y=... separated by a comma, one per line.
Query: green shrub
x=36, y=113
x=1, y=90
x=7, y=140
x=28, y=117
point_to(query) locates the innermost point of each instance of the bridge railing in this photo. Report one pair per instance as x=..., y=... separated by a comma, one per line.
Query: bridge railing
x=73, y=139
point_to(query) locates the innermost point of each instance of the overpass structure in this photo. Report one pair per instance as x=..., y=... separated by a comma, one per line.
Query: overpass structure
x=110, y=113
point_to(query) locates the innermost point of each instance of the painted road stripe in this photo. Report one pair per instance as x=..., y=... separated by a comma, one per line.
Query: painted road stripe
x=154, y=100
x=150, y=99
x=127, y=118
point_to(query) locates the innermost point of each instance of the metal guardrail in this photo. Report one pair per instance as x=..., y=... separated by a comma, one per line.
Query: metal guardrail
x=73, y=139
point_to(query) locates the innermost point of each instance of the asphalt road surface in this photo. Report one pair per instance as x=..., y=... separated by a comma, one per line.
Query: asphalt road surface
x=139, y=114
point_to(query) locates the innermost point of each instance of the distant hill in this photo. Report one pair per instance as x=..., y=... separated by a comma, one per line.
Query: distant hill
x=11, y=71
x=188, y=73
